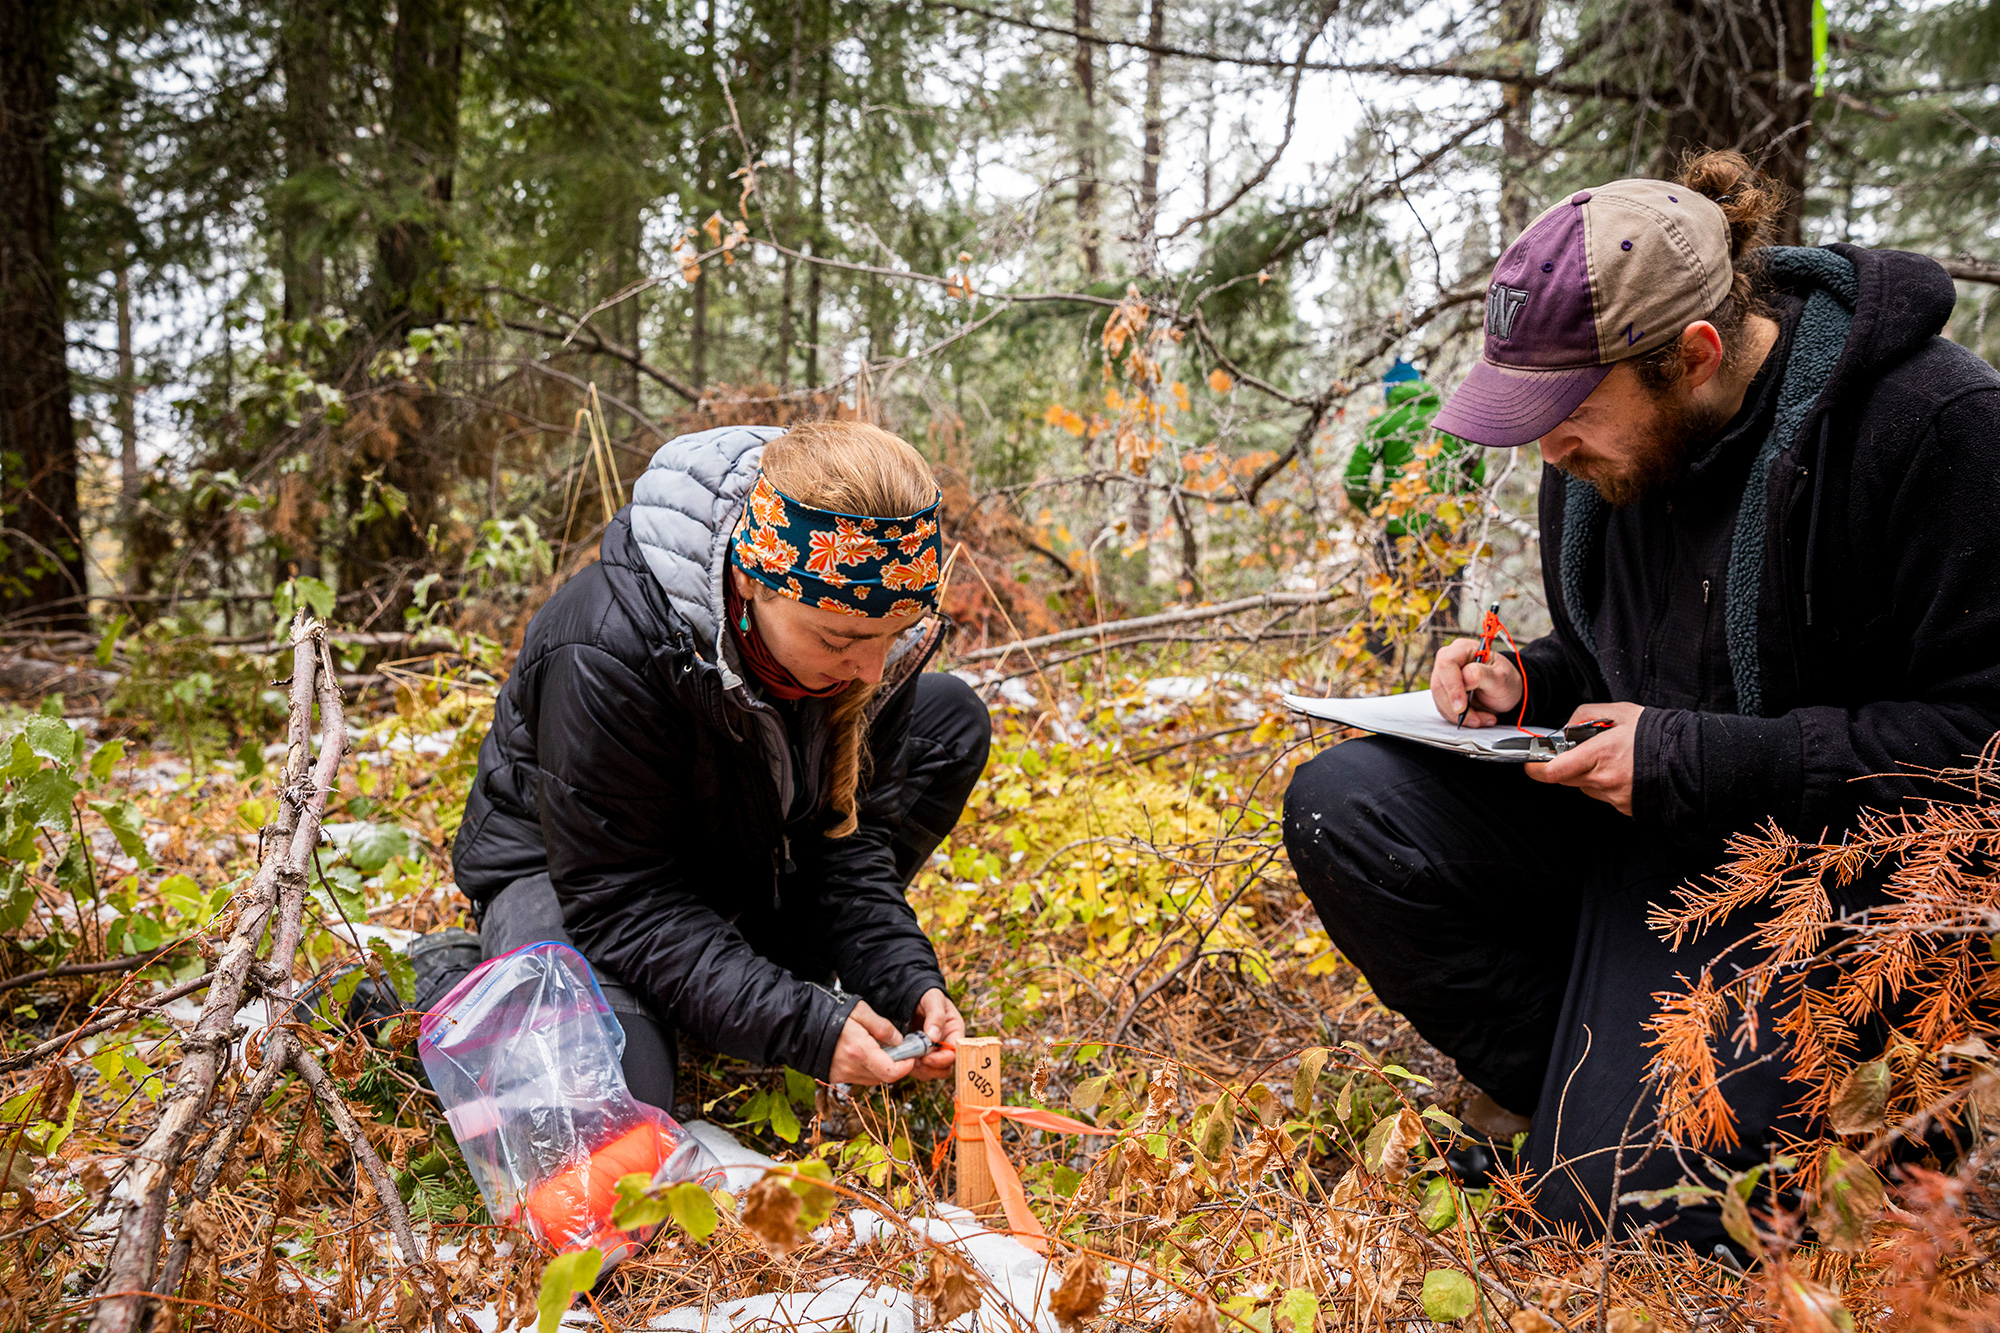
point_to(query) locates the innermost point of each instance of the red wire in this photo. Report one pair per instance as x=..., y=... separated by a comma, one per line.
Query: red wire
x=1488, y=627
x=1519, y=722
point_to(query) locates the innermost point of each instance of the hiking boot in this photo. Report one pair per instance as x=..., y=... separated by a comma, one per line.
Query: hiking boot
x=441, y=960
x=1475, y=1160
x=1488, y=1145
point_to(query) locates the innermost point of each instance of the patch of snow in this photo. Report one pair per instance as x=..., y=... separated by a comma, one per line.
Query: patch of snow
x=394, y=936
x=741, y=1167
x=842, y=1303
x=1177, y=687
x=428, y=742
x=1016, y=692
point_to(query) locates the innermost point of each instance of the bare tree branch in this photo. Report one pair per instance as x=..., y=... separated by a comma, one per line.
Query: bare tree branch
x=1967, y=269
x=588, y=340
x=1392, y=68
x=1189, y=616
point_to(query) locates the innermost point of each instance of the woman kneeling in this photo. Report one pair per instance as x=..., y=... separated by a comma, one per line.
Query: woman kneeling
x=719, y=762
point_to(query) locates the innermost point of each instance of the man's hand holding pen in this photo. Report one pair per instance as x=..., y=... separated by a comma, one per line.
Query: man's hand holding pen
x=1481, y=691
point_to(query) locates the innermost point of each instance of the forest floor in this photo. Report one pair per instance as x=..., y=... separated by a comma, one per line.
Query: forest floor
x=1115, y=905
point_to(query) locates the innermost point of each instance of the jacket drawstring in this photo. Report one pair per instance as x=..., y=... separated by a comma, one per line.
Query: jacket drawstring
x=1812, y=522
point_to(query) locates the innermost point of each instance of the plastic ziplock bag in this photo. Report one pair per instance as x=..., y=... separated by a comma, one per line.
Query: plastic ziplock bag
x=524, y=1054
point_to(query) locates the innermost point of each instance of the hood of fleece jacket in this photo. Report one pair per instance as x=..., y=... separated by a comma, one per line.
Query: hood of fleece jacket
x=1900, y=302
x=684, y=507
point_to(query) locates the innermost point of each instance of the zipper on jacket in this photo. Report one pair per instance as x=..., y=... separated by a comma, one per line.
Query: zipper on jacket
x=781, y=865
x=1704, y=592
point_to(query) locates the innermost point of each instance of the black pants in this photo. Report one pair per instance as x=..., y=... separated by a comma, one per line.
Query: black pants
x=1507, y=922
x=949, y=735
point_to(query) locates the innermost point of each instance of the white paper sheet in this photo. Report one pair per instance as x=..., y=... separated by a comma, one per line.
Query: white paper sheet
x=1414, y=717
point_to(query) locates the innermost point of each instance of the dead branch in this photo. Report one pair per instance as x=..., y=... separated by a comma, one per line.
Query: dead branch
x=121, y=1014
x=1251, y=638
x=591, y=343
x=141, y=1194
x=1501, y=74
x=1967, y=269
x=129, y=963
x=1189, y=616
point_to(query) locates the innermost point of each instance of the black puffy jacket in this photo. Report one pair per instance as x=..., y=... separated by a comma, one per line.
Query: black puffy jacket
x=628, y=760
x=1860, y=610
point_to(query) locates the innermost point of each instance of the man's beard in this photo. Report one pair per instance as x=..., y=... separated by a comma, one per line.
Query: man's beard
x=1676, y=436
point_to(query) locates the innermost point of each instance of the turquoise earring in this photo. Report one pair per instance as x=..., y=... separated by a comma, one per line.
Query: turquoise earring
x=743, y=620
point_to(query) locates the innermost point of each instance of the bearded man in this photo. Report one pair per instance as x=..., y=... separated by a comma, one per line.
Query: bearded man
x=1770, y=534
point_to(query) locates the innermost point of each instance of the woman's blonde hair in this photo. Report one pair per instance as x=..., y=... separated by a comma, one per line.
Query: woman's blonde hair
x=854, y=468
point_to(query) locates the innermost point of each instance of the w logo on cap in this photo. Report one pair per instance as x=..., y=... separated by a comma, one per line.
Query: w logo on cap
x=1503, y=307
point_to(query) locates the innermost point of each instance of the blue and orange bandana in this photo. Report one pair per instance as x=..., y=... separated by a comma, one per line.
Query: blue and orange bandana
x=850, y=563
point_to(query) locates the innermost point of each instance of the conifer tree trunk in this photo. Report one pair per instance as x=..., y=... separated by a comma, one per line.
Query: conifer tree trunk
x=41, y=555
x=704, y=169
x=411, y=276
x=125, y=409
x=787, y=331
x=813, y=290
x=422, y=131
x=1149, y=169
x=125, y=385
x=1086, y=146
x=1521, y=34
x=1746, y=68
x=625, y=320
x=698, y=332
x=306, y=54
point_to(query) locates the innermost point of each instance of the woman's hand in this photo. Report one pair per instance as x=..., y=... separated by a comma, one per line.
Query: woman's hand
x=858, y=1057
x=944, y=1025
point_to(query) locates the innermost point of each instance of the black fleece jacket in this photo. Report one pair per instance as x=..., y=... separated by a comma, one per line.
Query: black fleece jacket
x=621, y=763
x=1876, y=617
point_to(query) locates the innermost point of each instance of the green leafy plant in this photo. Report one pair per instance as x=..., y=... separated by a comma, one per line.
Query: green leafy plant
x=562, y=1279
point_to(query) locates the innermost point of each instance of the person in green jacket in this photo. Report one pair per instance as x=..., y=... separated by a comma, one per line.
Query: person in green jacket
x=1391, y=442
x=1379, y=458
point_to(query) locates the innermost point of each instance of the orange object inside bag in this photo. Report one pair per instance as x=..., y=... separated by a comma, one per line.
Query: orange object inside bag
x=572, y=1209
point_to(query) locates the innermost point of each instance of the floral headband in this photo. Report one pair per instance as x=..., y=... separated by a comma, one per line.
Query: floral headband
x=851, y=563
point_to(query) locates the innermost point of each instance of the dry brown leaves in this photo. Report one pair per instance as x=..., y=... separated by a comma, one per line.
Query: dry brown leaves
x=1630, y=1319
x=515, y=1306
x=1161, y=1093
x=1194, y=1317
x=1862, y=1104
x=1081, y=1293
x=1369, y=1243
x=949, y=1289
x=771, y=1214
x=1530, y=1321
x=1391, y=1142
x=1268, y=1151
x=203, y=1227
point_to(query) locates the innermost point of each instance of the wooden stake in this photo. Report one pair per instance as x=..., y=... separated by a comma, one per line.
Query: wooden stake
x=978, y=1072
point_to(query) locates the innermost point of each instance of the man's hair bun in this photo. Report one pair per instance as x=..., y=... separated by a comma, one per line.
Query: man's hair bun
x=1751, y=201
x=1752, y=204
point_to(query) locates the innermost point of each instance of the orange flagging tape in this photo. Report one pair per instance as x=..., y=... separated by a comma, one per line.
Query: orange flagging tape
x=976, y=1123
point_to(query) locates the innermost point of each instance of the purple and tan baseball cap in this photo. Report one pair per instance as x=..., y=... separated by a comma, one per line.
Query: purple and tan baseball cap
x=1606, y=275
